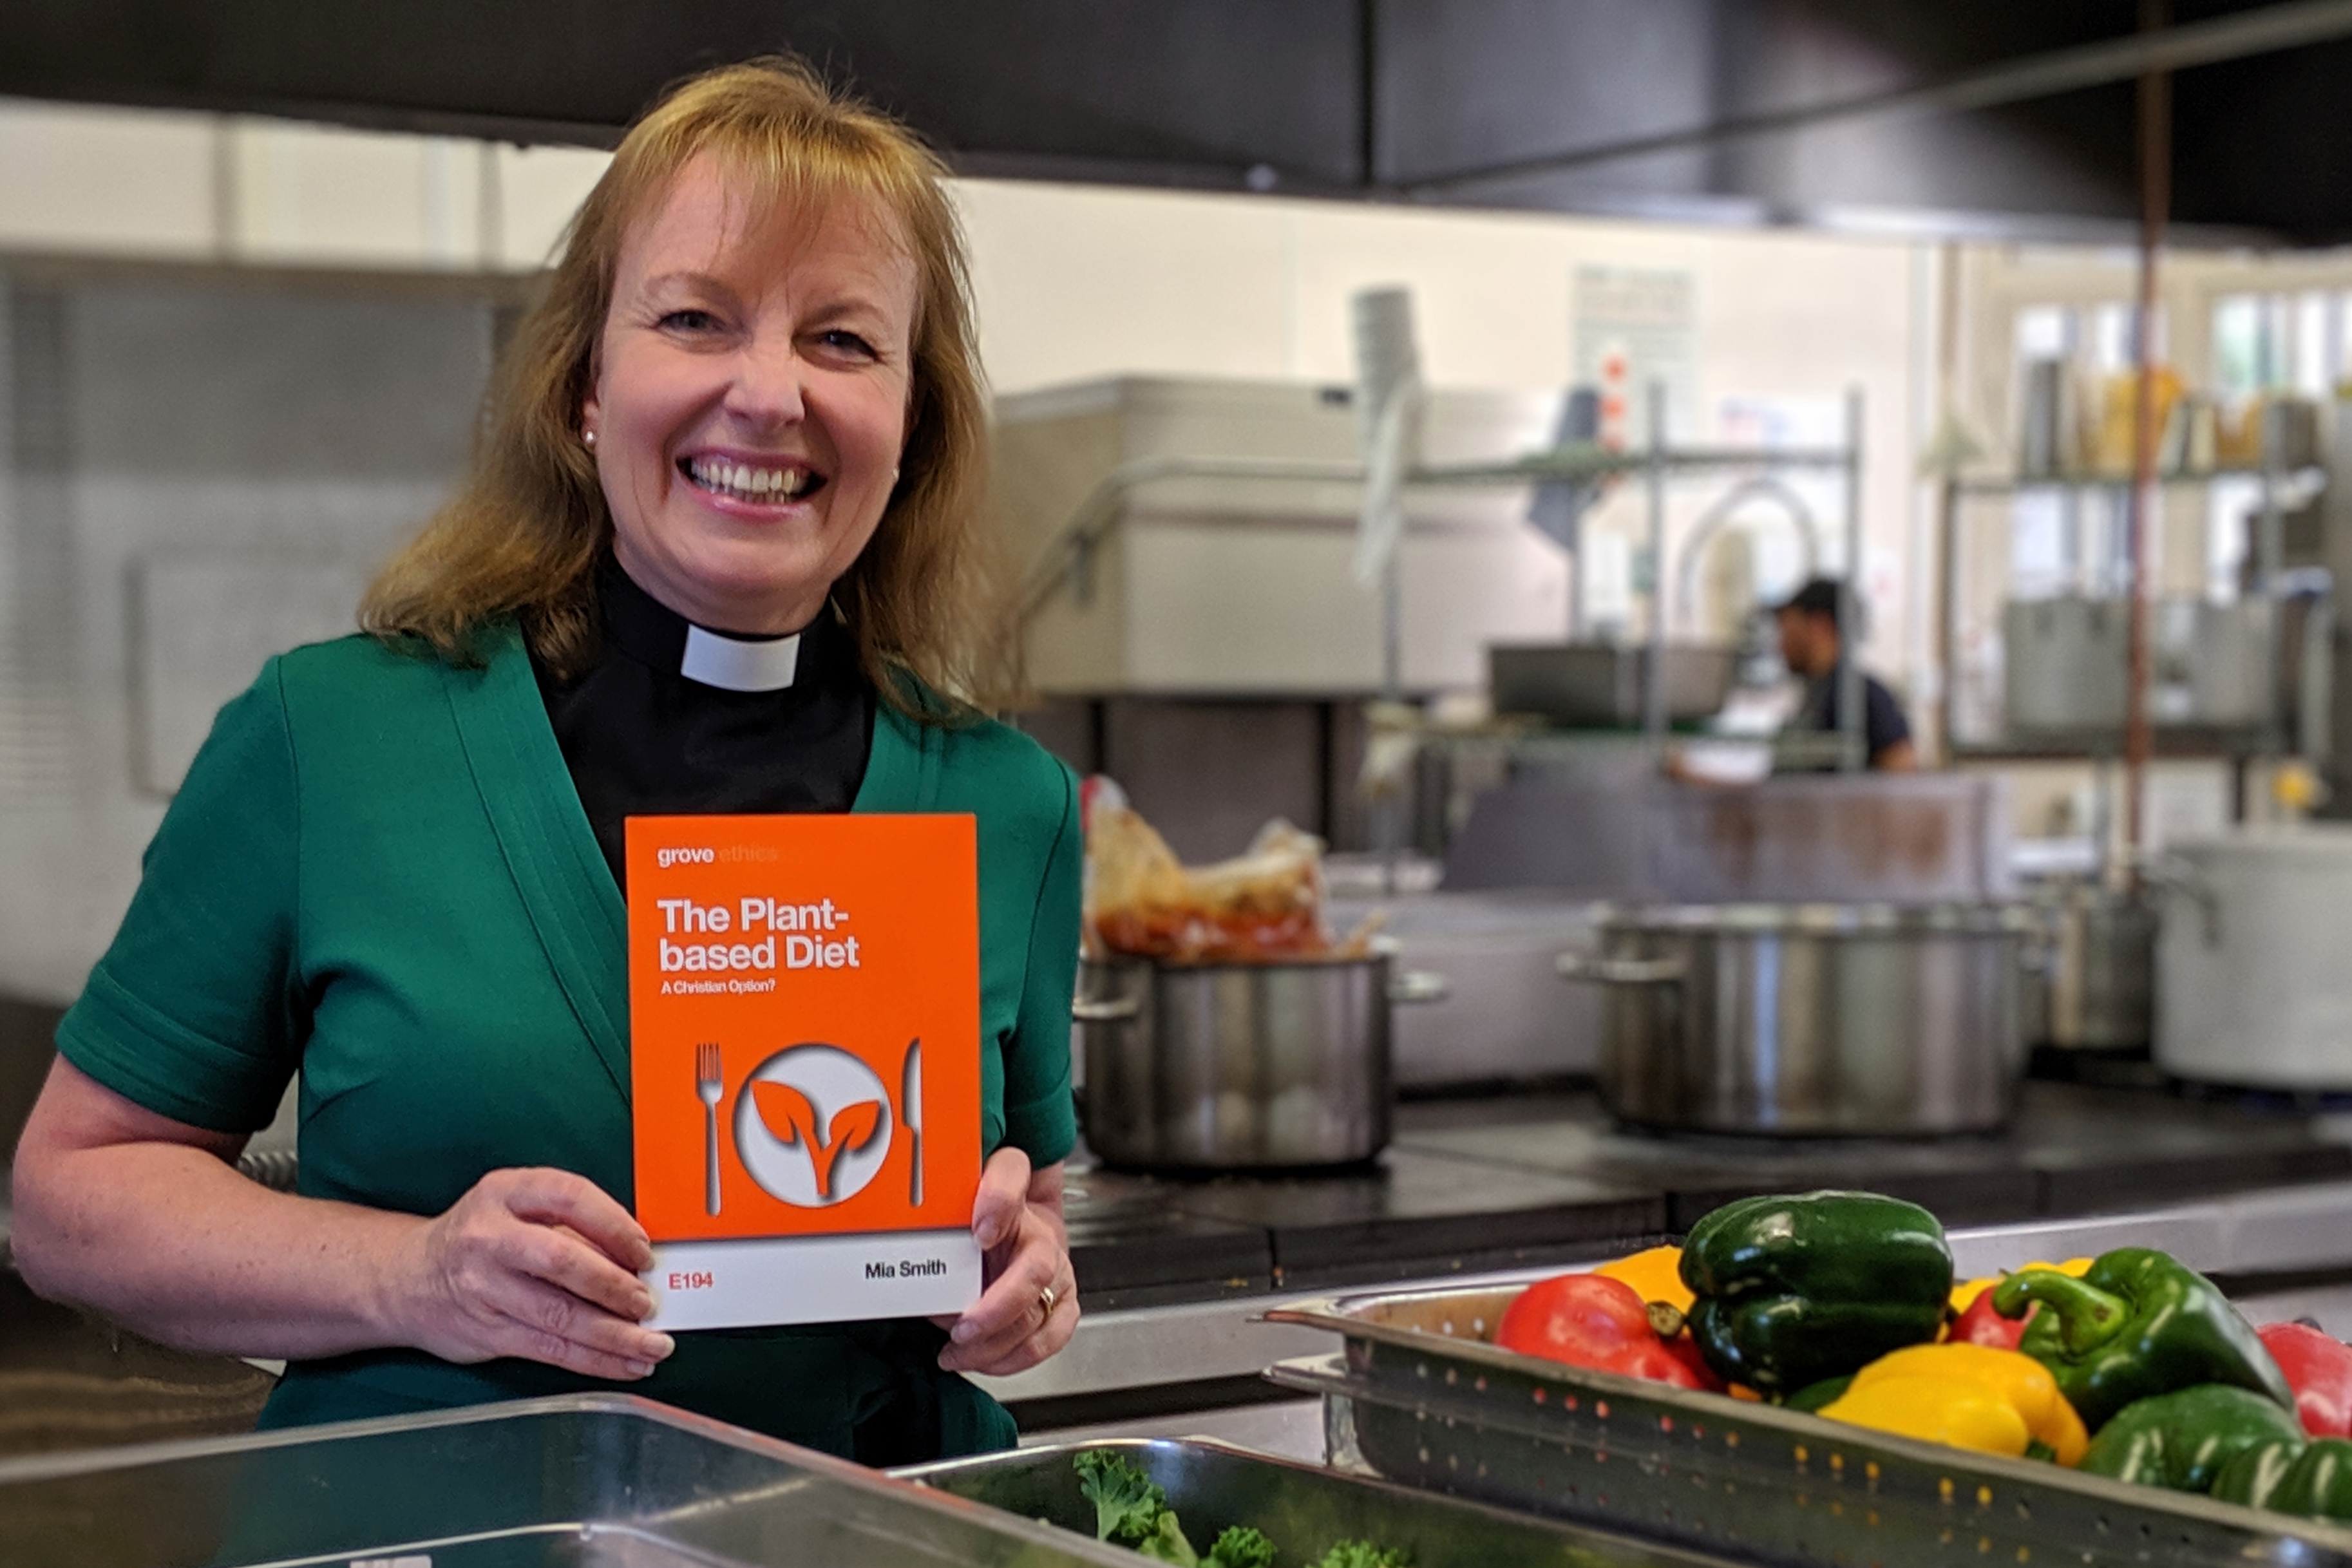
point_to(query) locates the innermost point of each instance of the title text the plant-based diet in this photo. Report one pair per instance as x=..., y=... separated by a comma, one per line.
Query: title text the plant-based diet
x=803, y=936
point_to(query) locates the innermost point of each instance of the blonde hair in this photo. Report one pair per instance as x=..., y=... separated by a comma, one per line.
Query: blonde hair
x=524, y=533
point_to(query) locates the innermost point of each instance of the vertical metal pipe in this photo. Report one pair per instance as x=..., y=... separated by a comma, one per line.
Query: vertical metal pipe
x=1853, y=729
x=2271, y=563
x=1393, y=626
x=1947, y=506
x=1389, y=810
x=2083, y=576
x=1948, y=621
x=1654, y=671
x=2155, y=205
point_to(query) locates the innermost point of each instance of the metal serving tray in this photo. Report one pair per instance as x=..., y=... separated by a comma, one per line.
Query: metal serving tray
x=1605, y=683
x=1420, y=1395
x=608, y=1481
x=1302, y=1509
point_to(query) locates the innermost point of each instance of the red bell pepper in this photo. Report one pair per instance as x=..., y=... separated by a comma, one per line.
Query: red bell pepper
x=2319, y=1369
x=1589, y=1320
x=1981, y=1325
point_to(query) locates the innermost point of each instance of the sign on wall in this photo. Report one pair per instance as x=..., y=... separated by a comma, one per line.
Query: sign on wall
x=1632, y=327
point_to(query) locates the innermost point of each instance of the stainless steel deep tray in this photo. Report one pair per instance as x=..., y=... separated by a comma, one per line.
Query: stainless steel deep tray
x=1303, y=1510
x=1419, y=1396
x=597, y=1479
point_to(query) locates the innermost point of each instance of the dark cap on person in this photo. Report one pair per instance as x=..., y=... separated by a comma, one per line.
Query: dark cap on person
x=1819, y=596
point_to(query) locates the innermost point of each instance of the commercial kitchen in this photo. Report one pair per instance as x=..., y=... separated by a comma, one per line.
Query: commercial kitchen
x=1755, y=582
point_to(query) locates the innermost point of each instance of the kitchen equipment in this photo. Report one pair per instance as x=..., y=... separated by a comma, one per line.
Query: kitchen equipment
x=1603, y=684
x=1504, y=1018
x=1810, y=1019
x=1195, y=537
x=1859, y=838
x=1419, y=1396
x=1303, y=1509
x=590, y=1478
x=2065, y=663
x=2290, y=432
x=2050, y=438
x=2221, y=652
x=2093, y=985
x=2254, y=958
x=1863, y=838
x=1235, y=1066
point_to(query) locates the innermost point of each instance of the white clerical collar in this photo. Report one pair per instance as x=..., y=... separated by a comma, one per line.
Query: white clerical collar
x=739, y=664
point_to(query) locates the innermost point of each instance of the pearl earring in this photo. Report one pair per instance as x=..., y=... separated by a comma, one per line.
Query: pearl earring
x=588, y=436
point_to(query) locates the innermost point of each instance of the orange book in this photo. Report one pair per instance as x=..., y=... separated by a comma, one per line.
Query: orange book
x=804, y=1065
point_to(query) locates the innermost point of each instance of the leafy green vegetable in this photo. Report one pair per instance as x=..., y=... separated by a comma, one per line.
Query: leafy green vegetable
x=1166, y=1543
x=1241, y=1547
x=1362, y=1554
x=1128, y=1503
x=1132, y=1510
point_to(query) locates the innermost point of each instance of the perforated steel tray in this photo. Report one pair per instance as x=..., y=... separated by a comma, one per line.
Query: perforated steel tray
x=1420, y=1396
x=1303, y=1510
x=591, y=1480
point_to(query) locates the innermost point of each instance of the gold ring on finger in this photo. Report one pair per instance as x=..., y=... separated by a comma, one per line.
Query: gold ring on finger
x=1046, y=1301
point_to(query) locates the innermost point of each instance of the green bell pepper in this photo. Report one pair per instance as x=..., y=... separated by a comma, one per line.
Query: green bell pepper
x=2139, y=1323
x=2255, y=1475
x=2183, y=1438
x=1794, y=1290
x=2319, y=1485
x=1813, y=1396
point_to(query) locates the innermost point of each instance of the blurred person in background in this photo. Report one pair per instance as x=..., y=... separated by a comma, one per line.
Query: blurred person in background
x=1813, y=647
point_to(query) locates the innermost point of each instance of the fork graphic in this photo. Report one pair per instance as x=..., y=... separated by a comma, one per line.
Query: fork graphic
x=709, y=1084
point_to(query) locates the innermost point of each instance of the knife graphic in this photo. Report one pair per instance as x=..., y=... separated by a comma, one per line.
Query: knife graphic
x=910, y=1111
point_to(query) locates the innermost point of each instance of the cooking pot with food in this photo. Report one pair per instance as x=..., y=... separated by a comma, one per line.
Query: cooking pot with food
x=1238, y=1066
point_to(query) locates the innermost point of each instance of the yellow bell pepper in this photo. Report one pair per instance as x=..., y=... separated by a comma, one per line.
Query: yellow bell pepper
x=1966, y=1292
x=1654, y=1275
x=1970, y=1395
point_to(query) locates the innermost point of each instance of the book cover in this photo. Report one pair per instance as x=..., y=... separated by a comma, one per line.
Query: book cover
x=804, y=1065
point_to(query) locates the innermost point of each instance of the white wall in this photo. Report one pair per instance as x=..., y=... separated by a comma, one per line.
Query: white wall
x=178, y=186
x=206, y=507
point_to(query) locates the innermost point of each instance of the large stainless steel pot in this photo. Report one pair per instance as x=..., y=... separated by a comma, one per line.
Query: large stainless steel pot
x=2093, y=988
x=1810, y=1018
x=2254, y=958
x=1239, y=1066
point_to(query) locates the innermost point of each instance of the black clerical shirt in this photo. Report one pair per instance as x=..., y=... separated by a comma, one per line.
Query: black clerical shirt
x=642, y=739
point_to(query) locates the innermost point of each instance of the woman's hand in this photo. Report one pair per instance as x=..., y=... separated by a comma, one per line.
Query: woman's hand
x=145, y=1219
x=540, y=1264
x=1017, y=1219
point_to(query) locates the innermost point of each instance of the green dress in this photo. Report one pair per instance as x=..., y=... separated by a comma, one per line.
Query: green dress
x=378, y=873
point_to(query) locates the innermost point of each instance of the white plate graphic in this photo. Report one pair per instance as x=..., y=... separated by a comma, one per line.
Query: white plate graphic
x=831, y=1079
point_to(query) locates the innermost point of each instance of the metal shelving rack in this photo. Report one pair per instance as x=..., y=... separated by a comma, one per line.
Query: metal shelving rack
x=2104, y=749
x=2274, y=482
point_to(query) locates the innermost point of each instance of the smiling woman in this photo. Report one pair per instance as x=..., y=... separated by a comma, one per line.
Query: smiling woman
x=750, y=398
x=671, y=268
x=714, y=555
